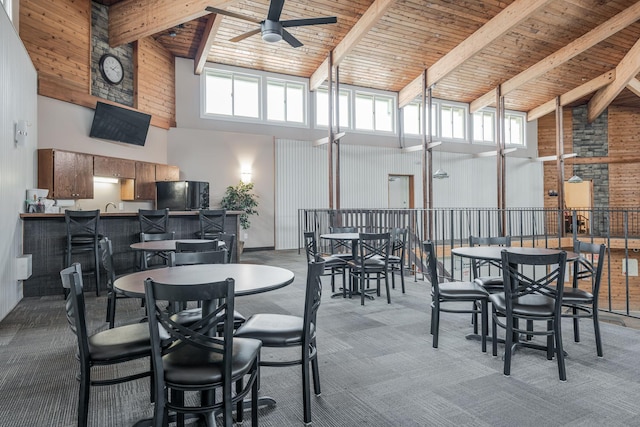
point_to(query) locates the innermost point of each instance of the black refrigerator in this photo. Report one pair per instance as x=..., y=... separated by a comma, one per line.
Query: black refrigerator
x=182, y=195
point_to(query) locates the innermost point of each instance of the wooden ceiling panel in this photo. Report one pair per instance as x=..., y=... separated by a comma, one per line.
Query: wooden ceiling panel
x=416, y=34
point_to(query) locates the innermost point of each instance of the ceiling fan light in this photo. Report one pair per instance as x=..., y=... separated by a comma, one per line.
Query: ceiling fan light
x=271, y=36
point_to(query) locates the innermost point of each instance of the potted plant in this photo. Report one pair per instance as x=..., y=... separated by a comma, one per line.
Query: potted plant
x=241, y=198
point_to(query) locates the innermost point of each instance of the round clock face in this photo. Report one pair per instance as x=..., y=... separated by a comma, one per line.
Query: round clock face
x=111, y=69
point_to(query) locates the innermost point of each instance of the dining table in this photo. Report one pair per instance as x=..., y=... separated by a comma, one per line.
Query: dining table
x=249, y=279
x=494, y=254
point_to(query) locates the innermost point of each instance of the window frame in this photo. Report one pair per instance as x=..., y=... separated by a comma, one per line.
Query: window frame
x=343, y=90
x=231, y=117
x=305, y=101
x=454, y=105
x=392, y=97
x=434, y=119
x=523, y=128
x=492, y=113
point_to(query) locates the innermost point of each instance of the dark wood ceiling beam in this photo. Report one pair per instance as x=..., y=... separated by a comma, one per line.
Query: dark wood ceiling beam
x=210, y=31
x=131, y=20
x=573, y=95
x=499, y=25
x=375, y=12
x=573, y=49
x=626, y=70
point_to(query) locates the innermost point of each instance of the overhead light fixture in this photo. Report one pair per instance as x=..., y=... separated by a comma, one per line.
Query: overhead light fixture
x=271, y=31
x=172, y=33
x=575, y=179
x=106, y=180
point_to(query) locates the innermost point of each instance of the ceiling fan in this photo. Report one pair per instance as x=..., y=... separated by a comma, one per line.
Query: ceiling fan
x=272, y=29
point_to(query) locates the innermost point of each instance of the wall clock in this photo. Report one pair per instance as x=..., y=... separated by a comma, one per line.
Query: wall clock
x=111, y=69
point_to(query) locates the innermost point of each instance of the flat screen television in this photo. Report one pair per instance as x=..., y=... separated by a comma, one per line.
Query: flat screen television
x=119, y=124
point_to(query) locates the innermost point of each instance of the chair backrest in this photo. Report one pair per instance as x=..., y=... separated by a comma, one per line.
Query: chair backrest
x=432, y=265
x=153, y=221
x=229, y=241
x=477, y=264
x=313, y=297
x=589, y=265
x=213, y=332
x=75, y=308
x=373, y=246
x=398, y=241
x=310, y=246
x=529, y=274
x=82, y=223
x=151, y=237
x=201, y=246
x=192, y=258
x=106, y=255
x=341, y=246
x=211, y=222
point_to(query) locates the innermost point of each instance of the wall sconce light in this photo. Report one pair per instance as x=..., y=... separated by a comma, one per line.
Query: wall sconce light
x=245, y=174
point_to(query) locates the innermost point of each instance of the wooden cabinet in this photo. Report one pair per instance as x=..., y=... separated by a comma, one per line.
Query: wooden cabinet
x=67, y=175
x=167, y=173
x=143, y=187
x=113, y=167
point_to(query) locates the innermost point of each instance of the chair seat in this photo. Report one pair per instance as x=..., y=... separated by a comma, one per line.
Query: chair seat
x=331, y=261
x=192, y=366
x=528, y=305
x=120, y=343
x=192, y=315
x=490, y=282
x=576, y=296
x=274, y=330
x=462, y=290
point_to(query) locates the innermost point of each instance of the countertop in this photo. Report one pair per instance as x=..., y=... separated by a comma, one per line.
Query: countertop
x=113, y=214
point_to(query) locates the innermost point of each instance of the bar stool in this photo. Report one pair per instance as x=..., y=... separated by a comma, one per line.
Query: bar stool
x=83, y=238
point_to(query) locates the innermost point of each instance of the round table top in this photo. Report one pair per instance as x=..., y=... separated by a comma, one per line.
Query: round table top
x=162, y=245
x=249, y=278
x=494, y=253
x=340, y=236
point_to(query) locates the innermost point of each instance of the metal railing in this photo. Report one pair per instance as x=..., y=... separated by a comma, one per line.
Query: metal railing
x=618, y=229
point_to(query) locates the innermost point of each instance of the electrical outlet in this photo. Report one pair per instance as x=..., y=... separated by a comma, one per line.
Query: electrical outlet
x=121, y=206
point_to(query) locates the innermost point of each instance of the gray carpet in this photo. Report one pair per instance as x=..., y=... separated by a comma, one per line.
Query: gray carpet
x=377, y=368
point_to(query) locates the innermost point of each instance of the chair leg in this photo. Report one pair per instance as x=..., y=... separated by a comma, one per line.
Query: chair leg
x=239, y=404
x=596, y=330
x=96, y=260
x=386, y=282
x=436, y=322
x=494, y=331
x=254, y=401
x=111, y=309
x=576, y=324
x=508, y=342
x=485, y=325
x=550, y=340
x=83, y=396
x=306, y=385
x=402, y=276
x=562, y=372
x=361, y=284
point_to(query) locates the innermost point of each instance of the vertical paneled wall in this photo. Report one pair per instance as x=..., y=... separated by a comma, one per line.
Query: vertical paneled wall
x=18, y=101
x=302, y=181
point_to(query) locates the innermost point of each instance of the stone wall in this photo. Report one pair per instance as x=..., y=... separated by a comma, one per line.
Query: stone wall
x=122, y=92
x=592, y=140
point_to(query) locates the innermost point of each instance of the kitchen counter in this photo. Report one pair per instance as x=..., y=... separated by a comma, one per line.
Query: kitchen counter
x=44, y=236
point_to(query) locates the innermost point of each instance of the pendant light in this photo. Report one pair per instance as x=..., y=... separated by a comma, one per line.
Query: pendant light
x=440, y=173
x=575, y=179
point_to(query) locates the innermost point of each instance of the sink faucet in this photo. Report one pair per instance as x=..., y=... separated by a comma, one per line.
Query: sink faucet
x=106, y=208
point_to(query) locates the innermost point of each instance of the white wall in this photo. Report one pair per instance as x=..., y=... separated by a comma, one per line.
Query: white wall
x=18, y=89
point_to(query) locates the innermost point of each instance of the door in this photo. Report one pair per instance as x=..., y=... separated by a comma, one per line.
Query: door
x=400, y=192
x=579, y=197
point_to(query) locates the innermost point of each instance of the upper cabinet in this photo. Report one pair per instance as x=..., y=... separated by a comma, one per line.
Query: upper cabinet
x=167, y=173
x=143, y=187
x=114, y=168
x=65, y=174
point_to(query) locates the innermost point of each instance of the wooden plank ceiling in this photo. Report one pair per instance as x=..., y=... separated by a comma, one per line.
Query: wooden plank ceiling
x=412, y=35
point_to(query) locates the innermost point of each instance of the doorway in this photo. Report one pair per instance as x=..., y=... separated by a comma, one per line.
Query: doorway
x=579, y=197
x=401, y=192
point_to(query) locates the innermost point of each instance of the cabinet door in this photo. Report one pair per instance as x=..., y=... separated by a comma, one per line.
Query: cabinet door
x=112, y=167
x=83, y=176
x=167, y=173
x=145, y=186
x=64, y=175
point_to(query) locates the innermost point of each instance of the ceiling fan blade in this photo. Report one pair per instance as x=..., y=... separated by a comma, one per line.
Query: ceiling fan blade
x=310, y=21
x=294, y=42
x=245, y=35
x=275, y=9
x=231, y=14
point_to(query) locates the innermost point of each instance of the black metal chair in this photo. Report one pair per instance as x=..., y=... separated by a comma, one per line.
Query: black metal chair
x=482, y=269
x=109, y=347
x=147, y=257
x=200, y=357
x=371, y=257
x=83, y=237
x=397, y=254
x=454, y=292
x=533, y=291
x=211, y=223
x=583, y=303
x=228, y=242
x=333, y=265
x=200, y=246
x=153, y=220
x=113, y=294
x=285, y=331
